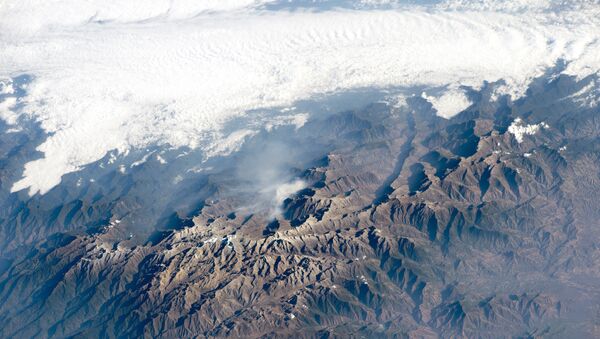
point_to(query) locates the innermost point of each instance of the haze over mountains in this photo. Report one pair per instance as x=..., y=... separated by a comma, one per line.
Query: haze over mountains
x=306, y=168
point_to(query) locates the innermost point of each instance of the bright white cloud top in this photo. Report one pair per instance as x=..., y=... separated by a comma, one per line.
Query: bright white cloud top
x=119, y=75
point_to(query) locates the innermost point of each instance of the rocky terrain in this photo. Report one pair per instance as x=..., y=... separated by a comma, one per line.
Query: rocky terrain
x=408, y=225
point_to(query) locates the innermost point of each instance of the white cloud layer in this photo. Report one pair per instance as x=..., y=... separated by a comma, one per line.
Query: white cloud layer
x=449, y=103
x=520, y=130
x=124, y=74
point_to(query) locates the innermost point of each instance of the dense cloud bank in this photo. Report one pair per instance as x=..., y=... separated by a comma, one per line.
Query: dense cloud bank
x=124, y=75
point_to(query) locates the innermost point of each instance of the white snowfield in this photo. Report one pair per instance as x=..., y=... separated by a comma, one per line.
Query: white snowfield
x=119, y=75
